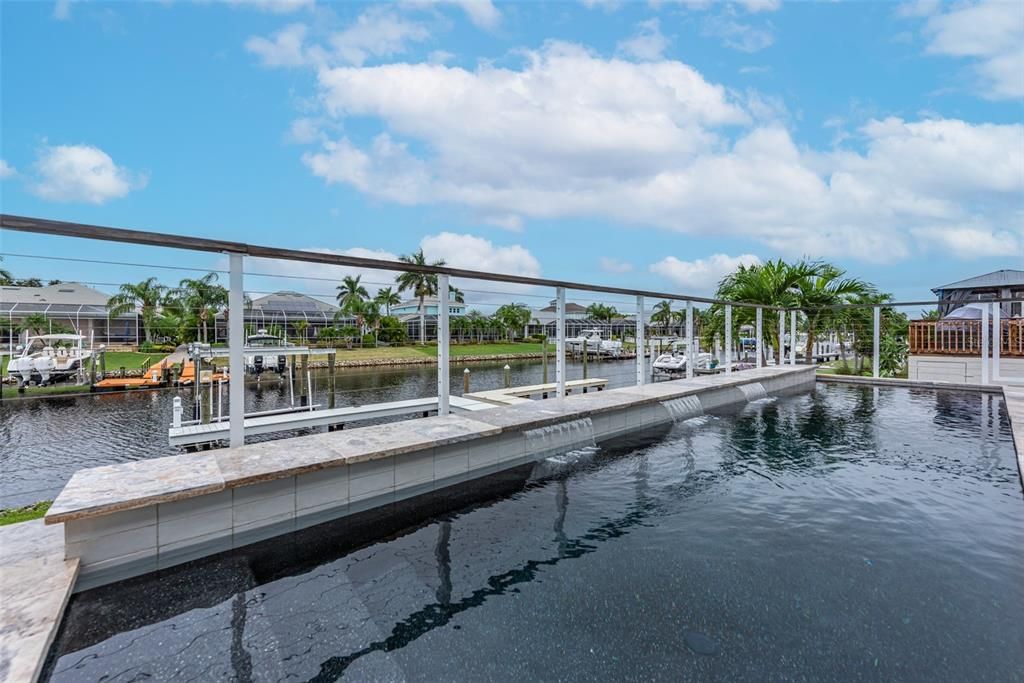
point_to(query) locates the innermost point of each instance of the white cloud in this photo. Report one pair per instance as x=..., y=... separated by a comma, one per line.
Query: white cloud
x=990, y=32
x=81, y=173
x=481, y=13
x=457, y=250
x=440, y=57
x=62, y=10
x=274, y=6
x=377, y=32
x=606, y=5
x=701, y=275
x=303, y=131
x=738, y=35
x=647, y=44
x=614, y=265
x=572, y=135
x=970, y=242
x=755, y=6
x=286, y=48
x=745, y=70
x=6, y=170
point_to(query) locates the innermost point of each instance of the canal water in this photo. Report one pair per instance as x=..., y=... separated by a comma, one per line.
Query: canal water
x=842, y=534
x=43, y=441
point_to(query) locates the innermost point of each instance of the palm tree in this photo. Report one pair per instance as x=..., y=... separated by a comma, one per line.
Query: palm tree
x=387, y=298
x=351, y=292
x=5, y=275
x=602, y=312
x=773, y=283
x=202, y=297
x=820, y=293
x=300, y=328
x=144, y=296
x=513, y=317
x=477, y=323
x=455, y=294
x=420, y=283
x=35, y=324
x=662, y=315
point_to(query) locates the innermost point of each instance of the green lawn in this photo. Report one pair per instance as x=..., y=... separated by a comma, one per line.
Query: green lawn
x=131, y=360
x=15, y=515
x=508, y=349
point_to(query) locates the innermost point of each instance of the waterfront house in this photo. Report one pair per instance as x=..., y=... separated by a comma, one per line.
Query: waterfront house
x=289, y=314
x=1001, y=284
x=67, y=305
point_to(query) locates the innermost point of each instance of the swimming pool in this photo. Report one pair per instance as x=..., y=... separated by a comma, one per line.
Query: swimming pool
x=847, y=533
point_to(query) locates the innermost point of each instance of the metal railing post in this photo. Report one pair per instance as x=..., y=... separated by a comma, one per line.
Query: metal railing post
x=781, y=360
x=691, y=353
x=997, y=340
x=792, y=337
x=641, y=374
x=984, y=344
x=728, y=339
x=758, y=331
x=560, y=342
x=876, y=344
x=236, y=342
x=443, y=381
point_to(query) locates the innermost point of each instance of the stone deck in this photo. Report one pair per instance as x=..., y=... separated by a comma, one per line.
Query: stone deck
x=35, y=583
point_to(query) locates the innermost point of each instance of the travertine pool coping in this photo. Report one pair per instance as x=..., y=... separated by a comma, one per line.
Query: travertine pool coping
x=114, y=488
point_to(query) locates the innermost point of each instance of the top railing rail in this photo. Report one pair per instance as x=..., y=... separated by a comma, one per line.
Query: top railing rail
x=159, y=239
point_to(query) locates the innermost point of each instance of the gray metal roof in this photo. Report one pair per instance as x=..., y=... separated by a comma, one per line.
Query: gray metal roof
x=293, y=303
x=69, y=293
x=999, y=278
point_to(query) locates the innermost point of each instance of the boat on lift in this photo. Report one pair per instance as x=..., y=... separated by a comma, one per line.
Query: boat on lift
x=257, y=363
x=49, y=358
x=675, y=363
x=592, y=341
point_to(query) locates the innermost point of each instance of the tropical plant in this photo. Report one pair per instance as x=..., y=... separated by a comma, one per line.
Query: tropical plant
x=602, y=312
x=144, y=296
x=387, y=298
x=930, y=315
x=28, y=282
x=300, y=327
x=421, y=284
x=5, y=275
x=391, y=330
x=477, y=323
x=351, y=292
x=662, y=315
x=457, y=295
x=513, y=318
x=35, y=324
x=202, y=298
x=819, y=296
x=773, y=283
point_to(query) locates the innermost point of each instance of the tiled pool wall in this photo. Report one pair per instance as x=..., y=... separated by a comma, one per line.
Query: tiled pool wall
x=122, y=544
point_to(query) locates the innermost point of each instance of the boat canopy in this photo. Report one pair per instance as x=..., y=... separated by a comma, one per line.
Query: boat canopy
x=58, y=337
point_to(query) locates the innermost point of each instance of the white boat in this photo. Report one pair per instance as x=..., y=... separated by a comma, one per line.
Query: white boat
x=48, y=358
x=258, y=363
x=591, y=341
x=674, y=363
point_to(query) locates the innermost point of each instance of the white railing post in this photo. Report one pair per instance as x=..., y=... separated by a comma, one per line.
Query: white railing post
x=443, y=381
x=691, y=348
x=728, y=339
x=876, y=343
x=997, y=339
x=236, y=342
x=984, y=344
x=792, y=337
x=781, y=360
x=758, y=330
x=560, y=342
x=641, y=370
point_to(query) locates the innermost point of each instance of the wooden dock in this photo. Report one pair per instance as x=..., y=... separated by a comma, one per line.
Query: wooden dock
x=195, y=434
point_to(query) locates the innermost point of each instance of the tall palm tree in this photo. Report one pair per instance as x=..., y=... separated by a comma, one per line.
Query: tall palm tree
x=457, y=295
x=421, y=284
x=772, y=283
x=202, y=297
x=144, y=296
x=513, y=317
x=351, y=292
x=662, y=315
x=817, y=294
x=602, y=312
x=387, y=298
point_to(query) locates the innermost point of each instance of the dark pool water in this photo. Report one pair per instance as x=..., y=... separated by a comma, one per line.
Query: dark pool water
x=847, y=534
x=43, y=441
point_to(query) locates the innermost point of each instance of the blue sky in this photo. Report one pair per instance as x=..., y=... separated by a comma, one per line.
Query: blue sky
x=654, y=144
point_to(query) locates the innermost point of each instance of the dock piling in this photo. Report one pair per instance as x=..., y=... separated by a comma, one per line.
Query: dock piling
x=465, y=381
x=331, y=377
x=176, y=414
x=508, y=376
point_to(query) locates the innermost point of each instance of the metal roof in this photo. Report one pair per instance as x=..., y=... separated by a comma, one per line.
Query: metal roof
x=68, y=293
x=998, y=278
x=293, y=303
